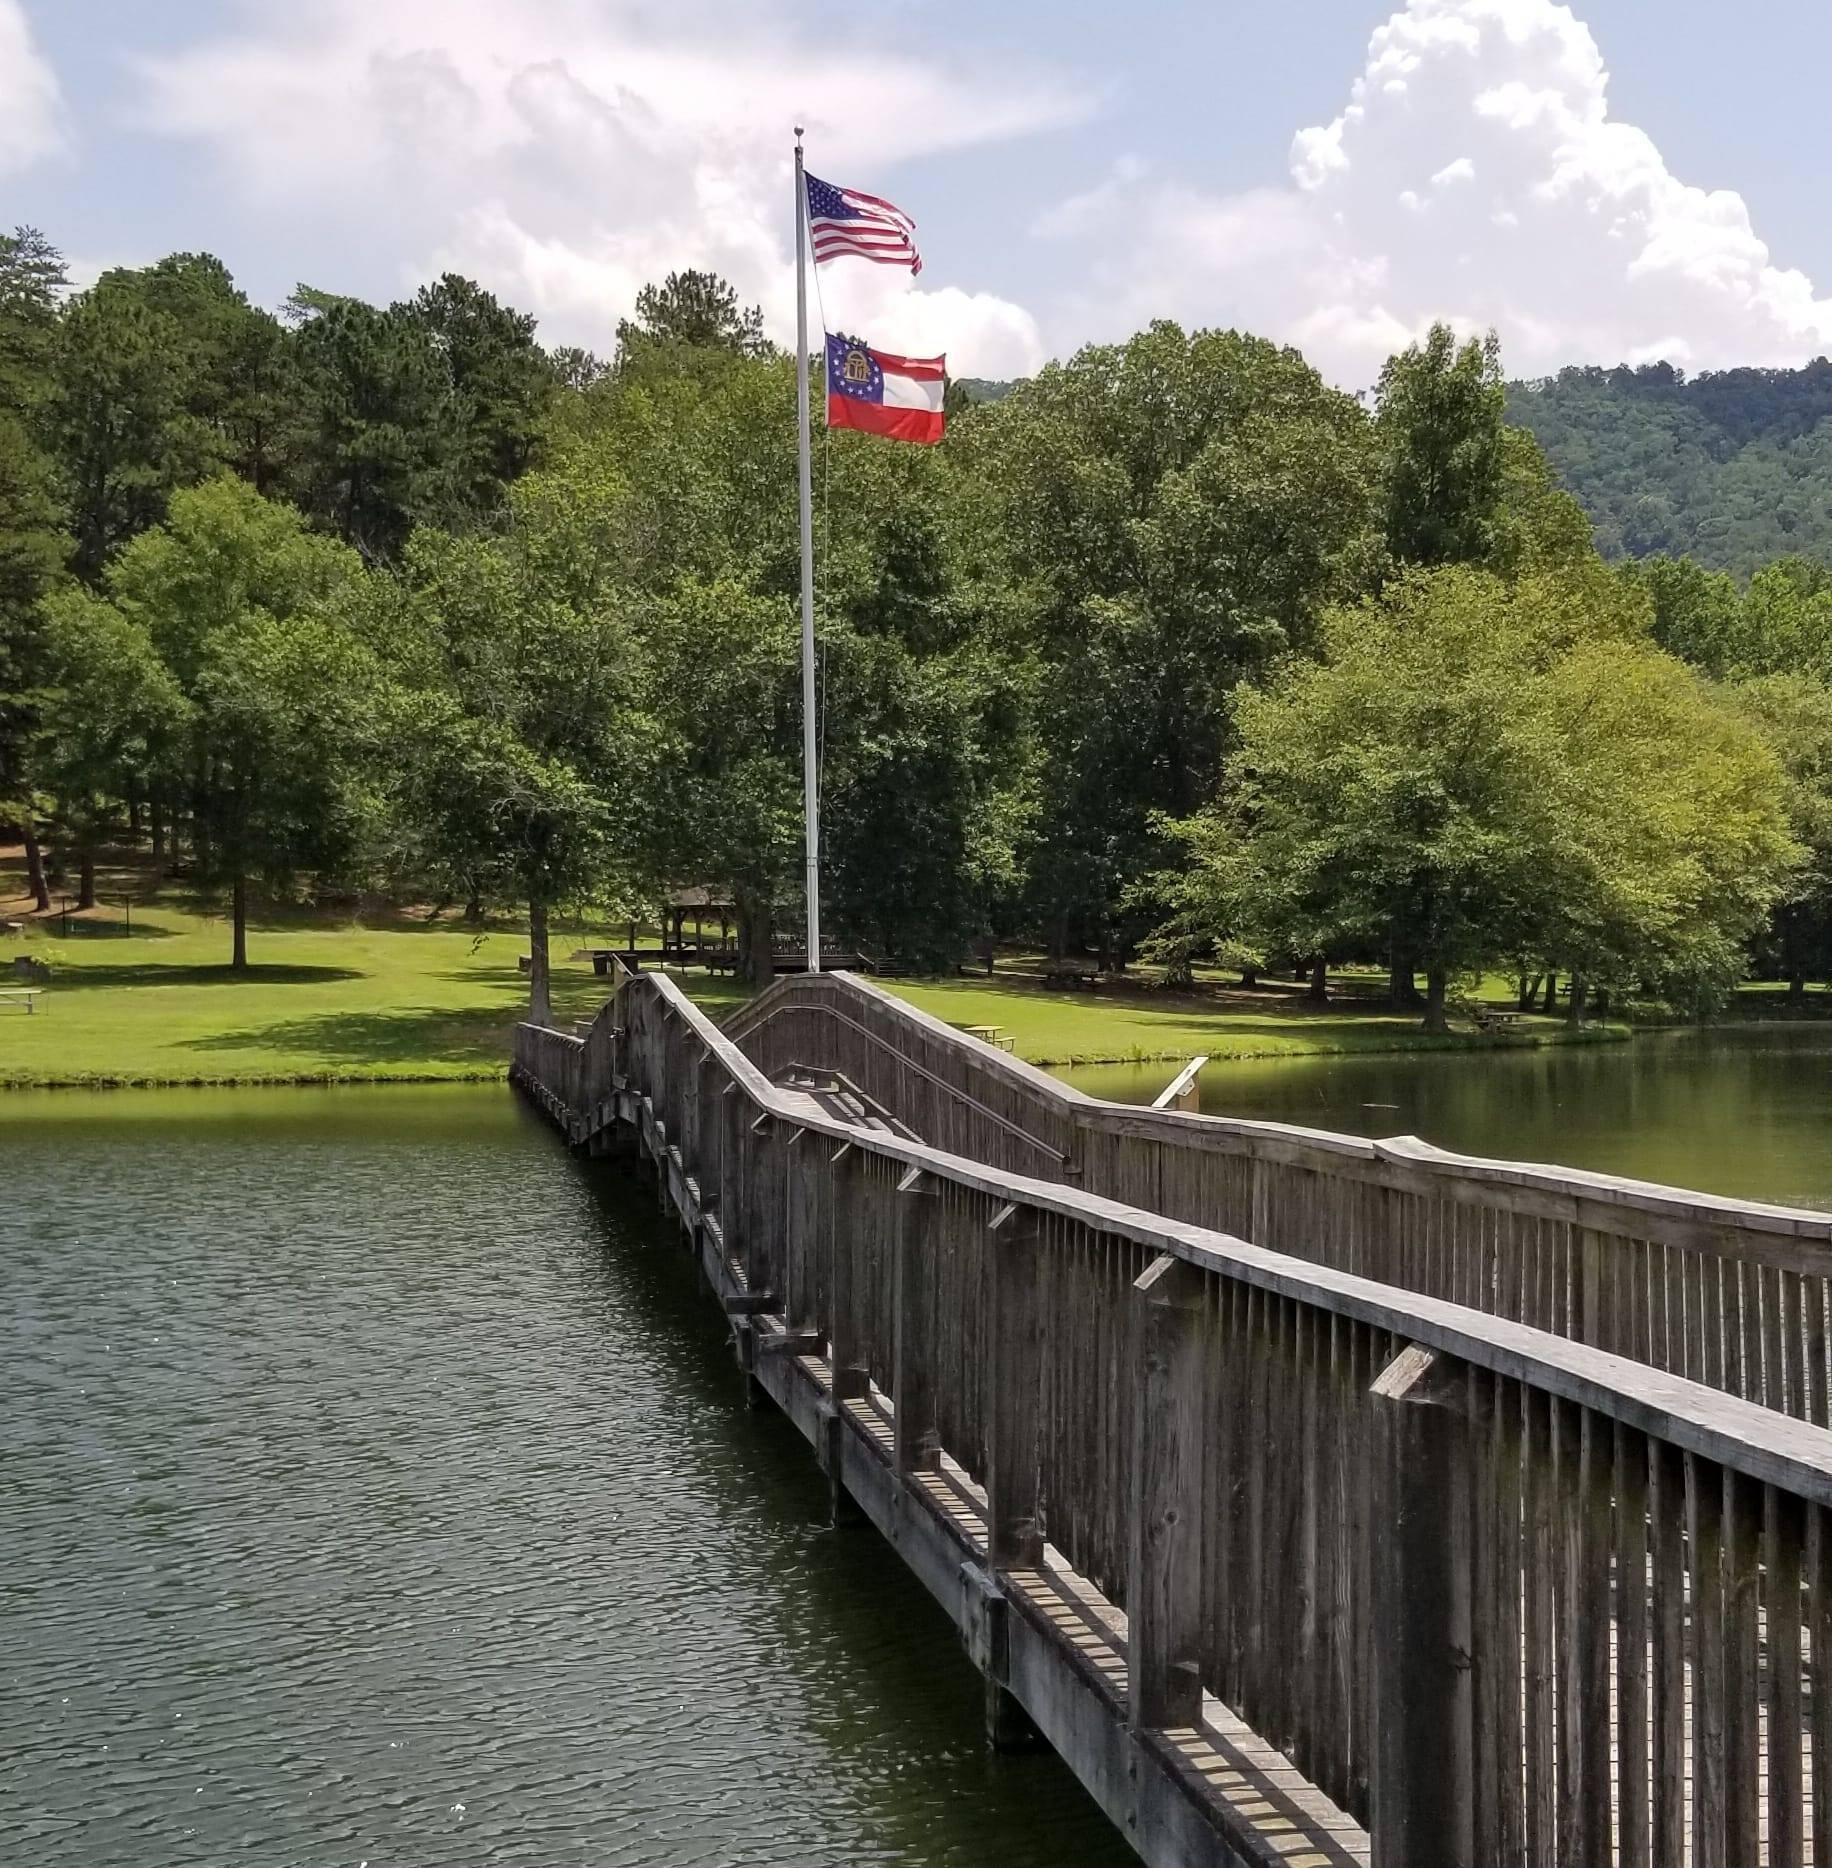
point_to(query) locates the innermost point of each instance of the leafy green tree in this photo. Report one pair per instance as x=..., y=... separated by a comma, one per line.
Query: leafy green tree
x=500, y=380
x=374, y=448
x=277, y=765
x=1474, y=772
x=1439, y=417
x=693, y=311
x=118, y=418
x=1159, y=521
x=33, y=545
x=1794, y=714
x=523, y=741
x=235, y=363
x=116, y=714
x=1697, y=612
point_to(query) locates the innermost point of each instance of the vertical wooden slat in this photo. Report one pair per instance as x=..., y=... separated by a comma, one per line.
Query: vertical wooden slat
x=1583, y=1454
x=1633, y=1822
x=1666, y=1536
x=1742, y=1540
x=1705, y=1545
x=1813, y=1293
x=1541, y=1630
x=1424, y=1782
x=844, y=1244
x=1164, y=1598
x=1784, y=1537
x=1819, y=1676
x=1013, y=1499
x=1488, y=1536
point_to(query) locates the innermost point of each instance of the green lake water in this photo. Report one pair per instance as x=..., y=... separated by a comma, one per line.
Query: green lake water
x=1744, y=1110
x=376, y=1487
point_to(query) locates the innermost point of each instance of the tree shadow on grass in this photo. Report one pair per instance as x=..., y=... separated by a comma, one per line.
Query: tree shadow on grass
x=75, y=978
x=426, y=1035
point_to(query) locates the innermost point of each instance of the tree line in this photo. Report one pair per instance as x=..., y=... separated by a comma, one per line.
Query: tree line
x=1732, y=467
x=1172, y=652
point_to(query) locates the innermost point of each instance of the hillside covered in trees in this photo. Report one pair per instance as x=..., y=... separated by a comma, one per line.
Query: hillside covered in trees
x=1172, y=653
x=1733, y=468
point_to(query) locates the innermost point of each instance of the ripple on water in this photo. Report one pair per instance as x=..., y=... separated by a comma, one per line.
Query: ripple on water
x=375, y=1487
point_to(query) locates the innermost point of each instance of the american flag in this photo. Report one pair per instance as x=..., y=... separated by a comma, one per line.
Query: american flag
x=841, y=221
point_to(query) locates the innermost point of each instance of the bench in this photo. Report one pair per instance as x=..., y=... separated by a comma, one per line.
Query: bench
x=1487, y=1019
x=26, y=995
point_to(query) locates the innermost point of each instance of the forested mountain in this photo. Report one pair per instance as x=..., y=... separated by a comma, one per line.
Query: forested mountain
x=1733, y=468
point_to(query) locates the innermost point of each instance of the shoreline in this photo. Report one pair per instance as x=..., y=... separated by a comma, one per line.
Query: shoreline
x=12, y=1083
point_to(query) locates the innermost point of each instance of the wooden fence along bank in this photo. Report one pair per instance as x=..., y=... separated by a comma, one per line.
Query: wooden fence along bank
x=1320, y=1500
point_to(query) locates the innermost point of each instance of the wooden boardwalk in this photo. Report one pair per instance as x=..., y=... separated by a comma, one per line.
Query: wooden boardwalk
x=1290, y=1562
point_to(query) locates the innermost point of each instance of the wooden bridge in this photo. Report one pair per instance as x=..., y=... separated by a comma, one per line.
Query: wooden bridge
x=1320, y=1500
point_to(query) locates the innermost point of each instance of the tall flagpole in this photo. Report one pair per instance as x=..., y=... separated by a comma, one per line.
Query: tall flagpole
x=811, y=802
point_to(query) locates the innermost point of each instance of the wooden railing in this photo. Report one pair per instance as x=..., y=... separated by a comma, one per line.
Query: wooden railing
x=1502, y=1595
x=1730, y=1293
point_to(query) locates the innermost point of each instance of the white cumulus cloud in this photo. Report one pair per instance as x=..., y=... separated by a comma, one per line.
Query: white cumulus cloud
x=29, y=98
x=567, y=153
x=1475, y=174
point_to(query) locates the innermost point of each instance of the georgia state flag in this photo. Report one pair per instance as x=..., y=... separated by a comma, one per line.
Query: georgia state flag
x=885, y=395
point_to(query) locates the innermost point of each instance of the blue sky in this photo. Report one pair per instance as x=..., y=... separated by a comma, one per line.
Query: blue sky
x=1619, y=178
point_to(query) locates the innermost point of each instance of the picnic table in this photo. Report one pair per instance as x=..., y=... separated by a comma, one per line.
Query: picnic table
x=993, y=1035
x=28, y=995
x=1072, y=975
x=1488, y=1019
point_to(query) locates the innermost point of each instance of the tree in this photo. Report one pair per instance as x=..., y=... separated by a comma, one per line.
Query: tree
x=520, y=721
x=690, y=310
x=1156, y=522
x=1477, y=773
x=276, y=767
x=500, y=384
x=118, y=419
x=1794, y=714
x=1439, y=416
x=1697, y=612
x=33, y=546
x=374, y=447
x=115, y=715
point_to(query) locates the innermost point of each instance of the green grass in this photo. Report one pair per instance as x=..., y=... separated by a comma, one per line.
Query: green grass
x=325, y=1000
x=398, y=997
x=1123, y=1025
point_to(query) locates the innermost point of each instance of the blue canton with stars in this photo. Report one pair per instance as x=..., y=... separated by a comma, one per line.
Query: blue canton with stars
x=825, y=202
x=866, y=383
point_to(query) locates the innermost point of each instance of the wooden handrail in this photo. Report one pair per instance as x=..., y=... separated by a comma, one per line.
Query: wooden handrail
x=1735, y=1294
x=1431, y=1553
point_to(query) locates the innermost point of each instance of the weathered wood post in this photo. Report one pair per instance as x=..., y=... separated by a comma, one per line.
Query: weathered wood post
x=765, y=1155
x=734, y=1114
x=1164, y=1600
x=846, y=1167
x=847, y=1365
x=1424, y=1739
x=803, y=1255
x=916, y=1438
x=1014, y=1391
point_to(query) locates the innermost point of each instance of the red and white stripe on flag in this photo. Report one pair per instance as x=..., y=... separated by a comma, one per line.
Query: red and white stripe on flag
x=848, y=223
x=881, y=393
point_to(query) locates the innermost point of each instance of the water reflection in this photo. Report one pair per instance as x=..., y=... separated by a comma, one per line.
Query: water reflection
x=1745, y=1111
x=377, y=1488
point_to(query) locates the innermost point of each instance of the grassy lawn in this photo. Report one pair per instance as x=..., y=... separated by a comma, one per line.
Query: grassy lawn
x=324, y=1000
x=400, y=996
x=1122, y=1024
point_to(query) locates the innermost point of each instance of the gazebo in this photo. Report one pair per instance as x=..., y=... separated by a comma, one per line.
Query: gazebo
x=702, y=901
